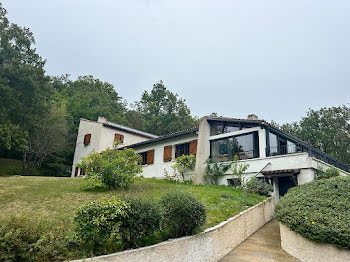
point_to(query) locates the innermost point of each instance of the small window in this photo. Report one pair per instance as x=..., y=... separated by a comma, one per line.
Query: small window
x=76, y=171
x=182, y=149
x=147, y=157
x=119, y=138
x=144, y=158
x=87, y=139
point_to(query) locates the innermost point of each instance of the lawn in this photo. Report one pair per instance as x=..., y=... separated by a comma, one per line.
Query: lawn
x=49, y=203
x=54, y=201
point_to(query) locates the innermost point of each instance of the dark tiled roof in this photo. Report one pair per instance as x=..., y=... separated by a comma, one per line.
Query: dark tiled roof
x=165, y=137
x=281, y=171
x=129, y=130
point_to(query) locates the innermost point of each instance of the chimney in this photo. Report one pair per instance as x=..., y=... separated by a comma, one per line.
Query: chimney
x=252, y=117
x=101, y=119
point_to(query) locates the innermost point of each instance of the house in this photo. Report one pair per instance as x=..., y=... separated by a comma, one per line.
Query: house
x=279, y=158
x=97, y=136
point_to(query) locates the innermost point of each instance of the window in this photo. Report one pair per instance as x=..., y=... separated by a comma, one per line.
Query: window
x=244, y=146
x=76, y=171
x=147, y=157
x=87, y=139
x=144, y=158
x=182, y=149
x=222, y=128
x=119, y=138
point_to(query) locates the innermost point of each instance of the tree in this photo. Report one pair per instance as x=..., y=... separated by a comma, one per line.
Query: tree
x=113, y=168
x=24, y=89
x=47, y=138
x=238, y=170
x=163, y=112
x=328, y=129
x=184, y=163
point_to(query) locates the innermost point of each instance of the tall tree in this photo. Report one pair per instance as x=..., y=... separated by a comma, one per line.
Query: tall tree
x=327, y=129
x=163, y=112
x=24, y=89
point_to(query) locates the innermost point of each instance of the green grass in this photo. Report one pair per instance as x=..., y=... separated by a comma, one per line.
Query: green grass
x=39, y=211
x=54, y=201
x=9, y=167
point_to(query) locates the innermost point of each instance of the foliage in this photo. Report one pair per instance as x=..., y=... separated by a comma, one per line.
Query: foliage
x=163, y=112
x=9, y=167
x=113, y=168
x=259, y=186
x=326, y=129
x=97, y=224
x=182, y=214
x=319, y=210
x=322, y=173
x=215, y=170
x=47, y=139
x=140, y=224
x=238, y=170
x=23, y=197
x=184, y=163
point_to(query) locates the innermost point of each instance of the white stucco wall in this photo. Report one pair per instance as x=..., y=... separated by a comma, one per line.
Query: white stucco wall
x=157, y=169
x=102, y=137
x=310, y=251
x=209, y=246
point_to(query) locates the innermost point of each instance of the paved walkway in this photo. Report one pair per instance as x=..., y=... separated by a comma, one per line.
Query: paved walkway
x=263, y=246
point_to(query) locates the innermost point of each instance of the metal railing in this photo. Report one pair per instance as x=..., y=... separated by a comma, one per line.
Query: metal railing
x=241, y=156
x=313, y=152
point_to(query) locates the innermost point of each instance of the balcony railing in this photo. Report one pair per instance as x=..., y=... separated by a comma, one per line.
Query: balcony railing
x=241, y=155
x=313, y=152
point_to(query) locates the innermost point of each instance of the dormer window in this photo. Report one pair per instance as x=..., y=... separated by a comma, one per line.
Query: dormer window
x=119, y=138
x=87, y=139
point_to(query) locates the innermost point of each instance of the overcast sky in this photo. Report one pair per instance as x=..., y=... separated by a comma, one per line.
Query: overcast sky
x=272, y=58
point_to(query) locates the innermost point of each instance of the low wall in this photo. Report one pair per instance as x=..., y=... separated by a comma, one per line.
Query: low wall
x=208, y=246
x=310, y=251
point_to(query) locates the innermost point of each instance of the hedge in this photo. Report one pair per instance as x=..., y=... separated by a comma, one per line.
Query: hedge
x=319, y=211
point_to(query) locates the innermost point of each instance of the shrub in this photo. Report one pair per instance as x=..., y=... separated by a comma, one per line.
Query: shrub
x=215, y=170
x=319, y=211
x=21, y=240
x=140, y=224
x=184, y=163
x=113, y=168
x=97, y=224
x=322, y=173
x=259, y=186
x=182, y=214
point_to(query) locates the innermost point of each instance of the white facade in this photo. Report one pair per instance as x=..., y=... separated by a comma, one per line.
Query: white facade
x=274, y=166
x=102, y=137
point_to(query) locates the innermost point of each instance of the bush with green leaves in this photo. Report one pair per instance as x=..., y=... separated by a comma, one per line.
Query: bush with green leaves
x=215, y=170
x=21, y=240
x=113, y=168
x=259, y=186
x=97, y=224
x=184, y=163
x=140, y=224
x=319, y=211
x=323, y=173
x=182, y=214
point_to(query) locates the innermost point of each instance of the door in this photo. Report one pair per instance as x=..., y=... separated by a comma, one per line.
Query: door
x=284, y=183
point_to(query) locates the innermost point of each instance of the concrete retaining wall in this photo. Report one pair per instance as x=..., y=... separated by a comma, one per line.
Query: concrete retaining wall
x=208, y=246
x=309, y=251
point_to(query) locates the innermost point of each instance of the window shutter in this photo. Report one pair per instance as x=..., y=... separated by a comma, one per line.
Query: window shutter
x=167, y=153
x=193, y=147
x=119, y=138
x=150, y=157
x=76, y=171
x=87, y=139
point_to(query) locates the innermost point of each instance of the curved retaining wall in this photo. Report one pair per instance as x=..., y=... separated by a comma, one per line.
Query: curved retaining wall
x=310, y=251
x=208, y=246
